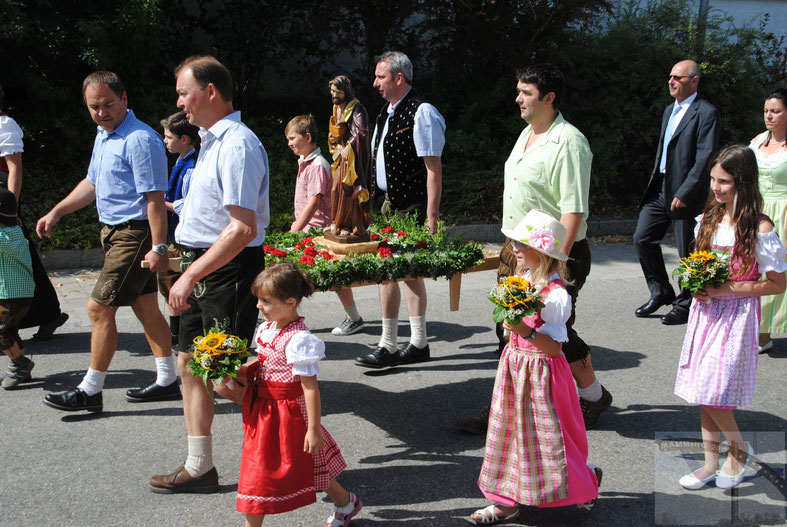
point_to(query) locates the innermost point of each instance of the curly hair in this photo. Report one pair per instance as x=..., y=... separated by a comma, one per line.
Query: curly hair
x=740, y=162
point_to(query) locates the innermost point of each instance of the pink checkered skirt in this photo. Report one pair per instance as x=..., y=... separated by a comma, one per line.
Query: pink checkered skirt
x=536, y=444
x=718, y=362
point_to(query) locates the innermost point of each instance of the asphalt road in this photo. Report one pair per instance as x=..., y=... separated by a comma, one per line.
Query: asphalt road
x=406, y=460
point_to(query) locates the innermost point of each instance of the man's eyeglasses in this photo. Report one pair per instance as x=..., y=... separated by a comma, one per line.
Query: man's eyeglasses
x=679, y=77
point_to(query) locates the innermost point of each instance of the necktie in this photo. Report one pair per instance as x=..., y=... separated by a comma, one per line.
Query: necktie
x=667, y=137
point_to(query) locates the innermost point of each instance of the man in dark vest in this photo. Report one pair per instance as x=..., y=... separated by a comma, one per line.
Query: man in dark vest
x=407, y=144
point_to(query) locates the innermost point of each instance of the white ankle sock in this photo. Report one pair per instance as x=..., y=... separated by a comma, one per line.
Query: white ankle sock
x=388, y=338
x=166, y=373
x=352, y=312
x=347, y=508
x=200, y=458
x=592, y=393
x=418, y=331
x=93, y=382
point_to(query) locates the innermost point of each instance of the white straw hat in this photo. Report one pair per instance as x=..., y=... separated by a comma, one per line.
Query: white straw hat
x=541, y=232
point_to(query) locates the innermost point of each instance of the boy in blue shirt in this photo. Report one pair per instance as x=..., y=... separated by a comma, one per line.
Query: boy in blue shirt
x=181, y=138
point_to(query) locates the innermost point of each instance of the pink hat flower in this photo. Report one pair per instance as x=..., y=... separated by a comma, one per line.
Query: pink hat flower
x=541, y=239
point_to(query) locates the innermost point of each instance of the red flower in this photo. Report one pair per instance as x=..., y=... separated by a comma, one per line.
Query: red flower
x=375, y=236
x=384, y=252
x=278, y=253
x=420, y=245
x=310, y=251
x=386, y=230
x=299, y=246
x=308, y=239
x=308, y=260
x=267, y=248
x=401, y=234
x=325, y=255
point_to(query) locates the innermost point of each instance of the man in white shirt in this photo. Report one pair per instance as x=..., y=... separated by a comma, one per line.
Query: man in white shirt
x=221, y=230
x=407, y=144
x=677, y=189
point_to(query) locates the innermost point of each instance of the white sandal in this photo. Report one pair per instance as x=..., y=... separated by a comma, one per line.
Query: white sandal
x=490, y=517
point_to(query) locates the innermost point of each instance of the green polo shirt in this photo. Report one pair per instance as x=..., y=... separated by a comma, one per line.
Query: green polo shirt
x=553, y=175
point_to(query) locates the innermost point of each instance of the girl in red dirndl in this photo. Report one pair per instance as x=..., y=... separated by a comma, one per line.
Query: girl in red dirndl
x=287, y=455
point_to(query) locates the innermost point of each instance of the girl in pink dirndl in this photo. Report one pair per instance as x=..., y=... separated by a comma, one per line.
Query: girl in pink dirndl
x=718, y=362
x=536, y=444
x=287, y=455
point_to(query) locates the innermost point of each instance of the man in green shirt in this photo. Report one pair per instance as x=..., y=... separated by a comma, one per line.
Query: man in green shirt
x=549, y=169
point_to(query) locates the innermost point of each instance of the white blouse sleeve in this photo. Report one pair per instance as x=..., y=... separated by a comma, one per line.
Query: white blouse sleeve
x=770, y=252
x=555, y=313
x=304, y=351
x=697, y=222
x=10, y=137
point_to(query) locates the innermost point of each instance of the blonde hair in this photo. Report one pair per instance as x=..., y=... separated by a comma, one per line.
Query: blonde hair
x=547, y=266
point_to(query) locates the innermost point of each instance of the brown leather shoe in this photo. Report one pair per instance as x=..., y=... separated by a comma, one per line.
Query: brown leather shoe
x=181, y=481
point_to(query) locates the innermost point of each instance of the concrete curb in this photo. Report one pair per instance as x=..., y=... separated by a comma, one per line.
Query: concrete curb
x=480, y=232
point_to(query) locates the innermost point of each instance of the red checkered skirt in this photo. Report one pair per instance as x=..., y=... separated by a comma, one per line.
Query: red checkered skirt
x=276, y=475
x=536, y=444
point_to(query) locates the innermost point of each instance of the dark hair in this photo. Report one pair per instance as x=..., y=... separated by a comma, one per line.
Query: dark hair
x=180, y=126
x=547, y=78
x=342, y=82
x=207, y=70
x=740, y=162
x=778, y=93
x=303, y=124
x=112, y=80
x=2, y=97
x=283, y=280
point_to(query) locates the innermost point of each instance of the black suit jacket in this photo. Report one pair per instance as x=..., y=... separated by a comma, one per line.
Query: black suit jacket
x=688, y=158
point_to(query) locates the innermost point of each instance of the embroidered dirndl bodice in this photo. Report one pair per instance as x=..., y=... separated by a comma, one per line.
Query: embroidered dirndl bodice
x=274, y=366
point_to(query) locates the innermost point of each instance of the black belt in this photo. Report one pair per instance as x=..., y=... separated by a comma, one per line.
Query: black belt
x=130, y=224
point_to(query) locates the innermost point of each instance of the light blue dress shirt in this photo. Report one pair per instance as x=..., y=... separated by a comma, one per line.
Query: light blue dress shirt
x=231, y=169
x=126, y=163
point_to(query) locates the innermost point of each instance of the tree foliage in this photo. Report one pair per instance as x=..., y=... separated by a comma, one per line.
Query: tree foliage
x=615, y=59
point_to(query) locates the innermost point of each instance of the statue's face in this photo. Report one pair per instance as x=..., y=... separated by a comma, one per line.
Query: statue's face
x=337, y=95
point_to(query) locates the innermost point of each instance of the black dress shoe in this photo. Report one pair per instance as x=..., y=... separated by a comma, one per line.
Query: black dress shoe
x=45, y=331
x=409, y=354
x=75, y=400
x=154, y=392
x=379, y=358
x=650, y=307
x=675, y=317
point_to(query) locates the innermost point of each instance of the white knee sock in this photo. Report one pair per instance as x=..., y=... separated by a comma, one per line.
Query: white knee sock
x=93, y=382
x=418, y=331
x=352, y=312
x=592, y=393
x=200, y=458
x=166, y=373
x=388, y=338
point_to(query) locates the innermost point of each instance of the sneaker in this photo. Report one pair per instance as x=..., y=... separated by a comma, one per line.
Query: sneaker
x=476, y=424
x=348, y=327
x=18, y=373
x=591, y=411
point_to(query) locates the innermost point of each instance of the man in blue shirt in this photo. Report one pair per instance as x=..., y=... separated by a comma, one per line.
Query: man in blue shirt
x=221, y=230
x=127, y=178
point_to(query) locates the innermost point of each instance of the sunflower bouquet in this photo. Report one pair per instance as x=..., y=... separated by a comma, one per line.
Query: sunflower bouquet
x=699, y=269
x=515, y=299
x=217, y=355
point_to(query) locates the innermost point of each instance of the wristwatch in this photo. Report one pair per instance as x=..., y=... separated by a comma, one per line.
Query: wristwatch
x=532, y=335
x=161, y=249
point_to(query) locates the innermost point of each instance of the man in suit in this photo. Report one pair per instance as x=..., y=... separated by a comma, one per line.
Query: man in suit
x=677, y=189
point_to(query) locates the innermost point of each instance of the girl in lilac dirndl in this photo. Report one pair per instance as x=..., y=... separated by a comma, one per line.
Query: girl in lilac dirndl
x=718, y=362
x=536, y=444
x=287, y=455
